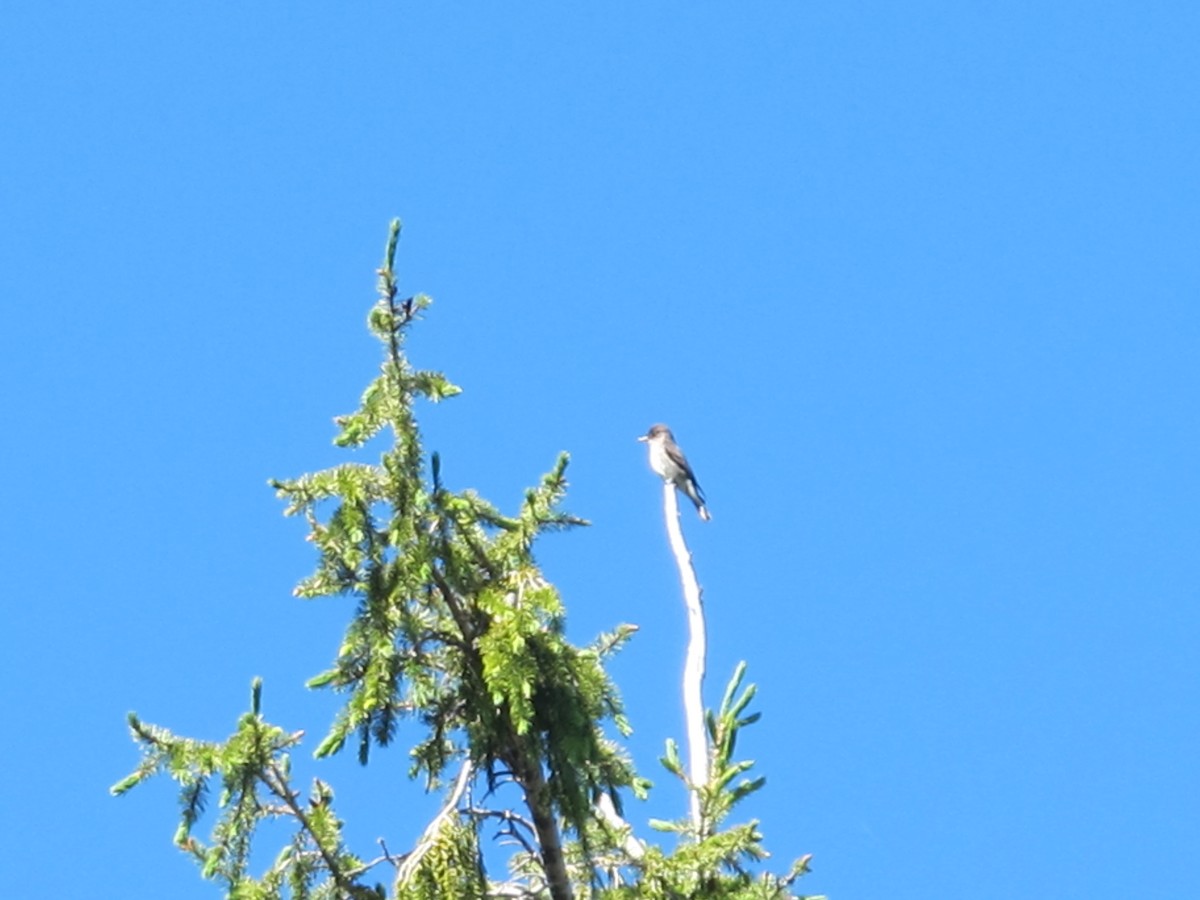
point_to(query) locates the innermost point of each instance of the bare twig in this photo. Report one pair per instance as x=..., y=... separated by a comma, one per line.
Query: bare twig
x=510, y=820
x=386, y=857
x=510, y=889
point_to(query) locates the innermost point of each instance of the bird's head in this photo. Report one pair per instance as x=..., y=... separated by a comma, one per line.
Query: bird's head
x=656, y=433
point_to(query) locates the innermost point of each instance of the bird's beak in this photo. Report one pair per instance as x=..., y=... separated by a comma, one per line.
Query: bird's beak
x=643, y=438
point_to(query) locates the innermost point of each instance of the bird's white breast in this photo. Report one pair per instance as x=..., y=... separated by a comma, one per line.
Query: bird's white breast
x=662, y=464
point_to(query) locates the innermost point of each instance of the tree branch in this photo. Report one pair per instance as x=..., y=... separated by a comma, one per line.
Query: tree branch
x=510, y=820
x=429, y=835
x=456, y=610
x=277, y=784
x=607, y=813
x=693, y=671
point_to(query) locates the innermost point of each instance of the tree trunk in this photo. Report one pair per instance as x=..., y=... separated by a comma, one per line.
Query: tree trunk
x=541, y=811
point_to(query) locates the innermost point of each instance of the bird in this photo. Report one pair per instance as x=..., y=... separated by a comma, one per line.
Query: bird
x=668, y=461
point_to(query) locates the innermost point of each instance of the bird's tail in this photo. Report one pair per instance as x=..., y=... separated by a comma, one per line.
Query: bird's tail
x=697, y=496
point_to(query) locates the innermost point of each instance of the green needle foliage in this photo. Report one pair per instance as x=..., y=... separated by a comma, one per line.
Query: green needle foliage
x=251, y=770
x=455, y=630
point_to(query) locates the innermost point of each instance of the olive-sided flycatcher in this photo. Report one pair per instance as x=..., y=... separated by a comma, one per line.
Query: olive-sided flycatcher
x=669, y=462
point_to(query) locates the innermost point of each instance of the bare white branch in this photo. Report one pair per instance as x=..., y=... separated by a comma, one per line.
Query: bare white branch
x=607, y=813
x=429, y=835
x=693, y=670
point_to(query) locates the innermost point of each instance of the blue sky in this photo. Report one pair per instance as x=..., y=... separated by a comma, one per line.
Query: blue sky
x=914, y=284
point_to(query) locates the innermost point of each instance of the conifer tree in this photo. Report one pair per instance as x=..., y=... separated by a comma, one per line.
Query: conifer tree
x=454, y=629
